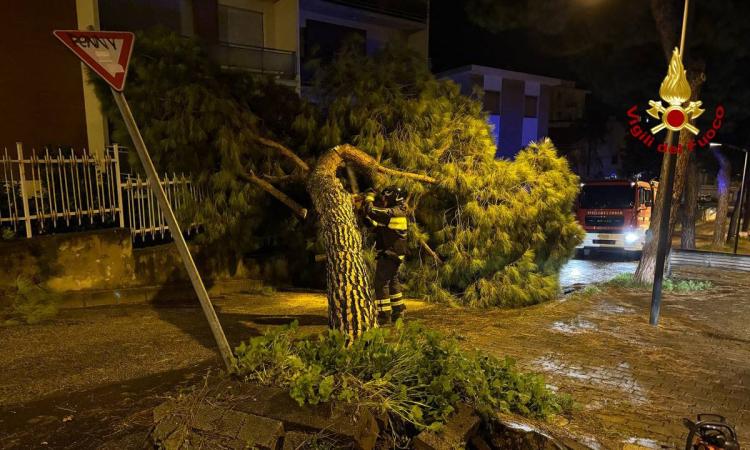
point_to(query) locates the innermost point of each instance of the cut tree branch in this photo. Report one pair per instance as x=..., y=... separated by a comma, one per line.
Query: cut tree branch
x=366, y=162
x=430, y=251
x=286, y=152
x=277, y=194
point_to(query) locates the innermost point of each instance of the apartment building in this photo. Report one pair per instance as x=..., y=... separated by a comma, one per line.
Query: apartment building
x=522, y=107
x=272, y=37
x=276, y=37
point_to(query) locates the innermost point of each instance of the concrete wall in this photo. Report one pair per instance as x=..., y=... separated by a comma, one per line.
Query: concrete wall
x=102, y=267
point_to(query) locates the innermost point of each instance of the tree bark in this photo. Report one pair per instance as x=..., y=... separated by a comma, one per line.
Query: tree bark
x=647, y=265
x=690, y=209
x=350, y=305
x=734, y=221
x=723, y=180
x=667, y=15
x=746, y=208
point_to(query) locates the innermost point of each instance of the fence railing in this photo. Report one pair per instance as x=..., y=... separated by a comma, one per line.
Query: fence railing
x=64, y=190
x=144, y=217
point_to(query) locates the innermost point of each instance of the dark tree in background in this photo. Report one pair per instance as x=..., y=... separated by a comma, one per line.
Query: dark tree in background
x=723, y=180
x=619, y=51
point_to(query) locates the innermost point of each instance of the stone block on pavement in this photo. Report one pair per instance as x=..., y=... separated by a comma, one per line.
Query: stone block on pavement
x=459, y=429
x=343, y=422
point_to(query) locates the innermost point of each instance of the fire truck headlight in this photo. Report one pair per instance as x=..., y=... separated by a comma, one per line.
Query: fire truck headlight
x=631, y=237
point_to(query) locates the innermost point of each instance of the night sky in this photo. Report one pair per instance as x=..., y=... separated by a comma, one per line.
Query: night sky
x=617, y=56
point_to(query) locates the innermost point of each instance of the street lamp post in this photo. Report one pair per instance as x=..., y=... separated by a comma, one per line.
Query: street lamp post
x=739, y=204
x=664, y=239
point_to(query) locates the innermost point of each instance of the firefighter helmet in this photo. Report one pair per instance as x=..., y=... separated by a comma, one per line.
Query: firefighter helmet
x=393, y=195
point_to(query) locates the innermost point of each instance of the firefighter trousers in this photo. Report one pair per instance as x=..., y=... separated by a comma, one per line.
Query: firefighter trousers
x=388, y=296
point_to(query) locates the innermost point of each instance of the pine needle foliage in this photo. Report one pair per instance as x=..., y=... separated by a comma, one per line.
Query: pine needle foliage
x=502, y=228
x=201, y=120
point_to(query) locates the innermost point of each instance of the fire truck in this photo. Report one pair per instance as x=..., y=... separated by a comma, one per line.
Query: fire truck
x=615, y=214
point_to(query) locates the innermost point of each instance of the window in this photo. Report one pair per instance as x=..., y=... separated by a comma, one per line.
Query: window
x=477, y=81
x=492, y=102
x=240, y=26
x=530, y=106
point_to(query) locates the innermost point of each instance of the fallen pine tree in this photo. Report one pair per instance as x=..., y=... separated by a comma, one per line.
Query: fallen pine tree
x=484, y=232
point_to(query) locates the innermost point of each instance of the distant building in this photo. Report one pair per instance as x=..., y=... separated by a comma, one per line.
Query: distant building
x=277, y=37
x=47, y=101
x=522, y=107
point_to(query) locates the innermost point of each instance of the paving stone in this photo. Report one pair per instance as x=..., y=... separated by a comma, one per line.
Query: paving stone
x=344, y=422
x=205, y=418
x=296, y=440
x=456, y=433
x=260, y=432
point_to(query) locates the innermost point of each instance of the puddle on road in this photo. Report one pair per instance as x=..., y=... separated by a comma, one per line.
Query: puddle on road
x=619, y=378
x=609, y=308
x=643, y=442
x=588, y=271
x=574, y=326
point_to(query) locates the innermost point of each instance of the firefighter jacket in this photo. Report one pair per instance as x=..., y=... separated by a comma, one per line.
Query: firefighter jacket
x=390, y=226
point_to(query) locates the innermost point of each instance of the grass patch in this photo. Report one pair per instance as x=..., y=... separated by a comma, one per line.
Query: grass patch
x=415, y=375
x=627, y=281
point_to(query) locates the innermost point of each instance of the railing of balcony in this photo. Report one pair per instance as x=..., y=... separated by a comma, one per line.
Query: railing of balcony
x=417, y=10
x=257, y=59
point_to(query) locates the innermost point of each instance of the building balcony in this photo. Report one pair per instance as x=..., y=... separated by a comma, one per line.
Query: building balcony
x=416, y=10
x=268, y=61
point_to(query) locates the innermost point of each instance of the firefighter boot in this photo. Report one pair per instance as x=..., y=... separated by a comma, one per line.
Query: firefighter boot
x=384, y=311
x=398, y=307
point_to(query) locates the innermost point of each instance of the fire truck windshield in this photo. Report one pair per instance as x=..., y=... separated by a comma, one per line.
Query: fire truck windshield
x=606, y=197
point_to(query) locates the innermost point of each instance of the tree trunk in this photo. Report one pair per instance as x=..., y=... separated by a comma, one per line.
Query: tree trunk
x=647, y=265
x=350, y=305
x=734, y=221
x=690, y=208
x=746, y=208
x=723, y=180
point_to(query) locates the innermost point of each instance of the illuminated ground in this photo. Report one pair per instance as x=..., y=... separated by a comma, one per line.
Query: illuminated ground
x=93, y=373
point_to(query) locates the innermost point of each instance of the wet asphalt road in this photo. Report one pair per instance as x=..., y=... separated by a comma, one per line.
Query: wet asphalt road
x=595, y=269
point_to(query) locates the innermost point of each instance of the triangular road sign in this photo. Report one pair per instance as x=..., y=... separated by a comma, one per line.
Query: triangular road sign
x=106, y=52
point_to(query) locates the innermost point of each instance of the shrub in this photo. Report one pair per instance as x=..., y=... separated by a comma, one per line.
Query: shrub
x=627, y=281
x=415, y=375
x=31, y=303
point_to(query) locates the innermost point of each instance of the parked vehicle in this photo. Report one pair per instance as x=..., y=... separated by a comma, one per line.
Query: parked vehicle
x=615, y=214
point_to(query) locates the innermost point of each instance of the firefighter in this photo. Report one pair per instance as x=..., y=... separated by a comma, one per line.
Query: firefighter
x=386, y=213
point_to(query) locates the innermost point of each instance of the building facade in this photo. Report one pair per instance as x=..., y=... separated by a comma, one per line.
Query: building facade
x=522, y=107
x=48, y=101
x=45, y=96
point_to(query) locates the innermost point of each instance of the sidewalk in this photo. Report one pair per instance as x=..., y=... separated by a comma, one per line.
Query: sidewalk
x=634, y=383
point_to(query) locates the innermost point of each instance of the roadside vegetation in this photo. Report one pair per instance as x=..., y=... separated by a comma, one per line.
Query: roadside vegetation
x=416, y=376
x=27, y=302
x=676, y=285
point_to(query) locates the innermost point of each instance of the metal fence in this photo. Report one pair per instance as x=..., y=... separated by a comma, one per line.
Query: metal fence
x=67, y=190
x=144, y=217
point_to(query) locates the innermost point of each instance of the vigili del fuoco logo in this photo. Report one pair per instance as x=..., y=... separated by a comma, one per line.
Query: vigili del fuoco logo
x=675, y=91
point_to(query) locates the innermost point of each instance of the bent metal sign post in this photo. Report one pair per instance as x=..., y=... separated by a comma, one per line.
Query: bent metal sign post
x=108, y=53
